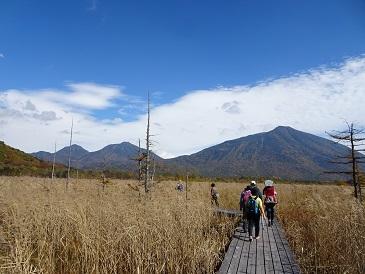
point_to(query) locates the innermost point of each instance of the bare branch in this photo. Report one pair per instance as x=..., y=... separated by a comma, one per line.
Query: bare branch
x=339, y=137
x=341, y=163
x=341, y=172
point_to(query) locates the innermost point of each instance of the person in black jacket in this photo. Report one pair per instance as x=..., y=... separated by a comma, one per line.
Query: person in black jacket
x=255, y=189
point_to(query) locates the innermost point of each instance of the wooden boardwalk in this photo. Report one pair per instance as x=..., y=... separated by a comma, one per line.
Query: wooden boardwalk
x=269, y=254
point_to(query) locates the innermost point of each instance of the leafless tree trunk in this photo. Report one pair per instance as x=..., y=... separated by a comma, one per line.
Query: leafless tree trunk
x=139, y=161
x=353, y=160
x=147, y=175
x=104, y=179
x=69, y=155
x=352, y=137
x=186, y=186
x=54, y=160
x=153, y=171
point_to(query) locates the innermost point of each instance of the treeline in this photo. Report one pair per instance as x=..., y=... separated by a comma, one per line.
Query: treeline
x=61, y=172
x=9, y=170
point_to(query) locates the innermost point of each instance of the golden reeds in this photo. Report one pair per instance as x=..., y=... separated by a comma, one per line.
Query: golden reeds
x=45, y=229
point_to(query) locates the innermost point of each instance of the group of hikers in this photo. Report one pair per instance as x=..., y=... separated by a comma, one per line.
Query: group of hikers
x=254, y=204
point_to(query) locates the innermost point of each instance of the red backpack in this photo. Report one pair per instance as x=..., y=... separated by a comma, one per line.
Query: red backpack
x=270, y=194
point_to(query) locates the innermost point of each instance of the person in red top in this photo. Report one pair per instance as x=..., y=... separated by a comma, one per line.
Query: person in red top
x=270, y=200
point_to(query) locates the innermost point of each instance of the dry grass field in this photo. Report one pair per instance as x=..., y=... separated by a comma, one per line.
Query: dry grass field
x=325, y=226
x=45, y=229
x=87, y=230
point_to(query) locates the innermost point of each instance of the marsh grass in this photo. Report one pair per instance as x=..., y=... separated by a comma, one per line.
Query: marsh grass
x=115, y=229
x=45, y=229
x=325, y=226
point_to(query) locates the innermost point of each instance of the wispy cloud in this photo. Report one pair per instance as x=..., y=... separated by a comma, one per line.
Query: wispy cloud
x=94, y=5
x=2, y=56
x=86, y=96
x=313, y=101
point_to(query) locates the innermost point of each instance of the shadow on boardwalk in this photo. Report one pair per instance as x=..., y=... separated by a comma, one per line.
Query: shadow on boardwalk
x=269, y=254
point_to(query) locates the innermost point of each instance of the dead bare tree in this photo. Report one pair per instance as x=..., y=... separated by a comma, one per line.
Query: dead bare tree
x=69, y=155
x=54, y=160
x=139, y=162
x=154, y=169
x=147, y=160
x=104, y=180
x=353, y=138
x=186, y=185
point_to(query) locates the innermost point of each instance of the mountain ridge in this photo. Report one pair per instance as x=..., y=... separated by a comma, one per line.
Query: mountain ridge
x=14, y=162
x=282, y=152
x=114, y=156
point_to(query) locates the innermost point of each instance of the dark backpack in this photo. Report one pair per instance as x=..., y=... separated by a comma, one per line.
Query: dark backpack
x=251, y=207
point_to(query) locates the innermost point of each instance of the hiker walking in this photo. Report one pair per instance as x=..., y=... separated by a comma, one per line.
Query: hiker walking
x=270, y=201
x=254, y=211
x=245, y=195
x=214, y=195
x=253, y=186
x=180, y=186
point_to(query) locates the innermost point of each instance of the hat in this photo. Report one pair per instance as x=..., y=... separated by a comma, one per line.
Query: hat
x=269, y=183
x=253, y=183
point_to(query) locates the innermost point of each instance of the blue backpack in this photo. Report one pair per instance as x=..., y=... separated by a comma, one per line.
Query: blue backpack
x=251, y=207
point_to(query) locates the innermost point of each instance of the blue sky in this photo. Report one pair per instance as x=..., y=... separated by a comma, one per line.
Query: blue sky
x=170, y=48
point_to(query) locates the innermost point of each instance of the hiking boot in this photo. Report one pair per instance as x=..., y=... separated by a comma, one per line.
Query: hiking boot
x=251, y=239
x=258, y=237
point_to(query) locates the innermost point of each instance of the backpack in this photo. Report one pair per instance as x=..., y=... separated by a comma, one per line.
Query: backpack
x=251, y=207
x=270, y=196
x=245, y=195
x=270, y=191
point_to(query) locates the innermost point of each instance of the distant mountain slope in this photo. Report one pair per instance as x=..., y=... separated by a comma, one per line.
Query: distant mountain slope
x=77, y=152
x=115, y=156
x=17, y=162
x=283, y=152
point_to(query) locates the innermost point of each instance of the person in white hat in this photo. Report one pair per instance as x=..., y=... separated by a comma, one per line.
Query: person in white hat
x=270, y=201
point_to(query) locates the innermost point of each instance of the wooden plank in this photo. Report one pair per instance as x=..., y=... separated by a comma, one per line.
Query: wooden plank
x=296, y=269
x=290, y=255
x=269, y=266
x=233, y=267
x=251, y=262
x=282, y=254
x=278, y=268
x=269, y=254
x=260, y=256
x=242, y=267
x=229, y=254
x=227, y=212
x=285, y=246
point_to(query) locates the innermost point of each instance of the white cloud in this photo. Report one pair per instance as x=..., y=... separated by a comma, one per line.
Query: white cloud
x=85, y=95
x=2, y=56
x=314, y=101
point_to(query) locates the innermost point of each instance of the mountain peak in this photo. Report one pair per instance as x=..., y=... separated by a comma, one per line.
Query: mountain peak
x=282, y=152
x=74, y=148
x=78, y=147
x=126, y=144
x=283, y=129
